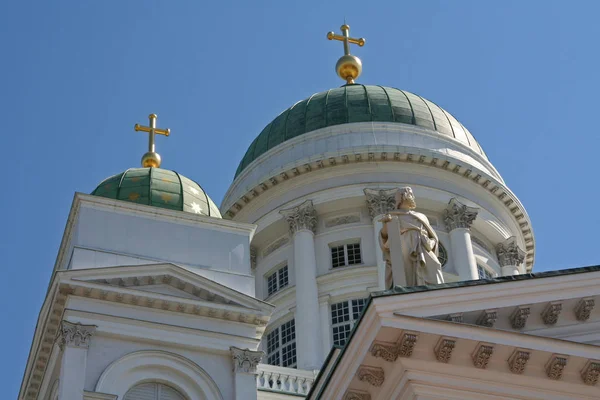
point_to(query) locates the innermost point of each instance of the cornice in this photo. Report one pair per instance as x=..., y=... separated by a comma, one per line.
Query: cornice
x=394, y=154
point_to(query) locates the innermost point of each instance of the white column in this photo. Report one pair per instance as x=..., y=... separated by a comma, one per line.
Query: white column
x=458, y=219
x=303, y=223
x=74, y=340
x=510, y=257
x=244, y=369
x=325, y=317
x=379, y=202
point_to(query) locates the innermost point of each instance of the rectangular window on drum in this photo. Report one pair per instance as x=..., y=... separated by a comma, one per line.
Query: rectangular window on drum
x=277, y=280
x=281, y=345
x=346, y=254
x=343, y=317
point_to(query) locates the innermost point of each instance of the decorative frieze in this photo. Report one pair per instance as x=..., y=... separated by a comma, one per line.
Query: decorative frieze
x=342, y=220
x=253, y=252
x=456, y=317
x=555, y=367
x=390, y=352
x=591, y=372
x=482, y=354
x=443, y=349
x=518, y=361
x=584, y=308
x=509, y=253
x=487, y=318
x=372, y=375
x=551, y=313
x=480, y=243
x=380, y=202
x=518, y=319
x=75, y=335
x=245, y=360
x=357, y=395
x=282, y=241
x=458, y=215
x=302, y=217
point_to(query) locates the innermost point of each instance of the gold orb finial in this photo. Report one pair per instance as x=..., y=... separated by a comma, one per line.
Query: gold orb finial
x=151, y=159
x=348, y=67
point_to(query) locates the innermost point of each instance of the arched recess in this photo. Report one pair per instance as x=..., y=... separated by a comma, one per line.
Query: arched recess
x=160, y=366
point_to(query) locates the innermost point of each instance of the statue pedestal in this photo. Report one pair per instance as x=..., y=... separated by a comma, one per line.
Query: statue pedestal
x=396, y=255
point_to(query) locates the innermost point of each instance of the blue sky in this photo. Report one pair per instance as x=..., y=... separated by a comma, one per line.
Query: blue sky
x=76, y=75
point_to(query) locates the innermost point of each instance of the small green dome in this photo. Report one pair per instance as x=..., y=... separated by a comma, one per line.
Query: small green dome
x=357, y=103
x=159, y=188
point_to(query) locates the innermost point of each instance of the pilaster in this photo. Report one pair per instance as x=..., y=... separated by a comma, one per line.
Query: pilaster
x=459, y=218
x=245, y=362
x=74, y=340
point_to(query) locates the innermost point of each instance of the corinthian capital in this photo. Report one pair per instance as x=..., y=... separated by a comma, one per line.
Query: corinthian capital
x=75, y=335
x=301, y=217
x=458, y=215
x=509, y=253
x=245, y=360
x=380, y=202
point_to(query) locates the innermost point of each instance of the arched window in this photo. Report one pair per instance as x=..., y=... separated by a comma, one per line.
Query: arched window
x=153, y=391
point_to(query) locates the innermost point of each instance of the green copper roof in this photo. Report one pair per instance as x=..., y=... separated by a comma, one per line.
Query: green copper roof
x=356, y=103
x=160, y=188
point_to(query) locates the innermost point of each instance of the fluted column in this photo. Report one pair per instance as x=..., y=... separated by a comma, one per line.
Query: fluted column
x=380, y=202
x=74, y=340
x=303, y=224
x=458, y=219
x=244, y=369
x=510, y=257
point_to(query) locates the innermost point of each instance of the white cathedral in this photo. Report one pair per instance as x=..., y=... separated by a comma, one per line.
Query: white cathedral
x=308, y=281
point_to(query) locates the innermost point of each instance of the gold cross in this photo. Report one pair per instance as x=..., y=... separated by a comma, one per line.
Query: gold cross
x=151, y=158
x=345, y=37
x=348, y=67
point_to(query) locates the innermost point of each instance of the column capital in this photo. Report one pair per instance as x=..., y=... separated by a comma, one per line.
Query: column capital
x=303, y=216
x=75, y=335
x=380, y=201
x=509, y=253
x=245, y=360
x=459, y=215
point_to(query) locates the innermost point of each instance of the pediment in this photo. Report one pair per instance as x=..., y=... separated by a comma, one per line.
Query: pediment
x=170, y=280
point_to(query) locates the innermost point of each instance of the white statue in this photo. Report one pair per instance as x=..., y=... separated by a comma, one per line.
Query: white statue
x=418, y=242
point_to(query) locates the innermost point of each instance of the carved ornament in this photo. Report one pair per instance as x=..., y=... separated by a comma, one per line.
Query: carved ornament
x=342, y=220
x=456, y=317
x=518, y=361
x=302, y=217
x=518, y=318
x=584, y=308
x=482, y=354
x=458, y=215
x=75, y=335
x=591, y=372
x=372, y=375
x=443, y=350
x=551, y=313
x=380, y=202
x=509, y=253
x=245, y=360
x=357, y=395
x=487, y=318
x=276, y=245
x=390, y=352
x=253, y=257
x=555, y=367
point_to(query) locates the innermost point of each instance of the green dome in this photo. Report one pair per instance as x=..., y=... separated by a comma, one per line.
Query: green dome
x=357, y=103
x=159, y=188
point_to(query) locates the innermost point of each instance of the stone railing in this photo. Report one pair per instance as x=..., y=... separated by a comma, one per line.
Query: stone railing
x=284, y=380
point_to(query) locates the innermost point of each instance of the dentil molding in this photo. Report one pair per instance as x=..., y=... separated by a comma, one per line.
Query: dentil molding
x=390, y=352
x=518, y=361
x=372, y=375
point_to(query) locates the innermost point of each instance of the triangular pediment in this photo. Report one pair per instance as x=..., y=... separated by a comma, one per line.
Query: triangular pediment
x=169, y=280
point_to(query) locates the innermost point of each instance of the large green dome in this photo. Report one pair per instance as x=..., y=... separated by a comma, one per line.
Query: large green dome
x=357, y=103
x=159, y=188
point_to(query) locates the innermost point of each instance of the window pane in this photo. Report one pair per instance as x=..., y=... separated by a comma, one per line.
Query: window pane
x=288, y=355
x=354, y=254
x=340, y=312
x=357, y=306
x=273, y=359
x=288, y=332
x=273, y=341
x=340, y=334
x=272, y=284
x=337, y=257
x=283, y=277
